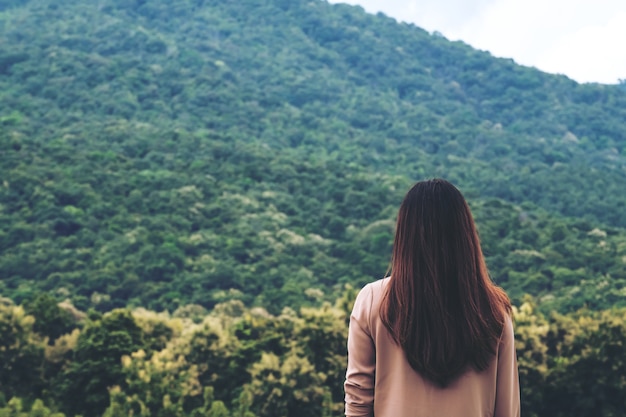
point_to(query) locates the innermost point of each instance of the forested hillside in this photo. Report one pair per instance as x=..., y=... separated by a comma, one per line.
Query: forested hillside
x=237, y=166
x=160, y=153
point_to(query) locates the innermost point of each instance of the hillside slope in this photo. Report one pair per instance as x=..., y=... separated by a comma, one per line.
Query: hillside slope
x=161, y=153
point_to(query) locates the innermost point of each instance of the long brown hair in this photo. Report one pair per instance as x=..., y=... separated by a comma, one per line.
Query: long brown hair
x=440, y=305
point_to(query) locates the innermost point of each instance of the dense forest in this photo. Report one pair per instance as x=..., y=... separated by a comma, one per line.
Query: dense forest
x=194, y=190
x=244, y=362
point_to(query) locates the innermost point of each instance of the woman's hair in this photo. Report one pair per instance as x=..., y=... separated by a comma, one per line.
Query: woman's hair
x=440, y=305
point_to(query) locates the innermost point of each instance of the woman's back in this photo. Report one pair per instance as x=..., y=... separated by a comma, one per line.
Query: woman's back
x=381, y=383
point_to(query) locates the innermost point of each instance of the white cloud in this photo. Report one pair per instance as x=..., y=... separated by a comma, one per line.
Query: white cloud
x=580, y=38
x=428, y=14
x=591, y=53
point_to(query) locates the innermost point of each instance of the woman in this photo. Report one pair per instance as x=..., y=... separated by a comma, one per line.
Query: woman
x=436, y=337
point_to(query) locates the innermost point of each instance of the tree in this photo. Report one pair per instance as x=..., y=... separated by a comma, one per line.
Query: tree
x=21, y=353
x=287, y=387
x=96, y=366
x=51, y=321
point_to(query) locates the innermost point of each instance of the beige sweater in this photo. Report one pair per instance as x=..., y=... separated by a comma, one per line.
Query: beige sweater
x=380, y=382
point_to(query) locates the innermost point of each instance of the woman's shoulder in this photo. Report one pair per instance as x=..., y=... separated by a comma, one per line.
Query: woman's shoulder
x=508, y=330
x=376, y=288
x=372, y=293
x=368, y=301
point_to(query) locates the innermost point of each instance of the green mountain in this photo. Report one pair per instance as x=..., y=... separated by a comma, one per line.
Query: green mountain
x=160, y=153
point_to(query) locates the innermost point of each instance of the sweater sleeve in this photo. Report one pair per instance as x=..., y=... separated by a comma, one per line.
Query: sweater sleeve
x=359, y=384
x=507, y=388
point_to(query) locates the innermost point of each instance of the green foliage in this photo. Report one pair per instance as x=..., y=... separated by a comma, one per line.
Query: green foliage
x=15, y=408
x=593, y=361
x=161, y=154
x=50, y=320
x=241, y=362
x=287, y=388
x=571, y=365
x=83, y=386
x=240, y=164
x=21, y=353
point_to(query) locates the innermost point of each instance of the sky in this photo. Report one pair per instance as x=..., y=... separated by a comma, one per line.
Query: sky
x=583, y=39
